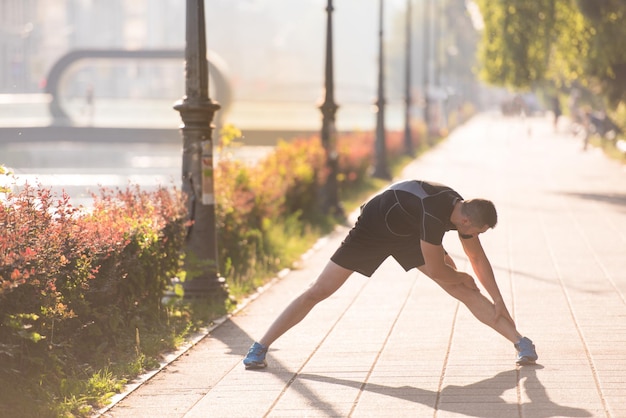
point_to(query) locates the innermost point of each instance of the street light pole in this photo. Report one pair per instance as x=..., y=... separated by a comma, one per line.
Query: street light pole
x=330, y=190
x=426, y=66
x=197, y=111
x=408, y=140
x=381, y=169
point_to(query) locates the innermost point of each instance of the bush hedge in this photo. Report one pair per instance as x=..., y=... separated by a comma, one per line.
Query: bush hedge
x=73, y=282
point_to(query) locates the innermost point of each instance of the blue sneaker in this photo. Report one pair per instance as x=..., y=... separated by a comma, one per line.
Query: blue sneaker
x=256, y=357
x=526, y=353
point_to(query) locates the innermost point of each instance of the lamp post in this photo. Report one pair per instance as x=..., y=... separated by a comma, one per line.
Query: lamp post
x=436, y=42
x=381, y=169
x=330, y=190
x=408, y=140
x=426, y=66
x=197, y=111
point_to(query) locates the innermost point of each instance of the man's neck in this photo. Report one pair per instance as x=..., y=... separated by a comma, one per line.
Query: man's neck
x=456, y=216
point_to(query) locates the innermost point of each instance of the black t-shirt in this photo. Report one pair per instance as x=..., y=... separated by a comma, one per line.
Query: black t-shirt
x=421, y=208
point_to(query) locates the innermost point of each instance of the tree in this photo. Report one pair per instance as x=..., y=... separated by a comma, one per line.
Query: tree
x=516, y=42
x=560, y=42
x=606, y=61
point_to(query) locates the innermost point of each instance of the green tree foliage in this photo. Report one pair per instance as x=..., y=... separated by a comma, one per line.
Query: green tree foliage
x=516, y=41
x=606, y=61
x=563, y=42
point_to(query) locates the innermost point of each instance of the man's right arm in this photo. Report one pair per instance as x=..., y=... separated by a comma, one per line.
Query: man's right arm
x=437, y=269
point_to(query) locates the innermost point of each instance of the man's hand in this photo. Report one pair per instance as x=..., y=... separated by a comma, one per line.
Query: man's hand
x=502, y=311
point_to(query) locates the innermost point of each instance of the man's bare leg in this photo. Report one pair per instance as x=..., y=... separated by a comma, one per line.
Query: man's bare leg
x=482, y=308
x=330, y=279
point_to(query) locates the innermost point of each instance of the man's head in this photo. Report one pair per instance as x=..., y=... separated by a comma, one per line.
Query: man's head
x=475, y=216
x=480, y=212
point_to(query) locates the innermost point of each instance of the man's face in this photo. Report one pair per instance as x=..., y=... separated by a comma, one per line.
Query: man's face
x=466, y=228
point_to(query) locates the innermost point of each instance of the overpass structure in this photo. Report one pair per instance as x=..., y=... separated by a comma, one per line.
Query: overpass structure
x=59, y=115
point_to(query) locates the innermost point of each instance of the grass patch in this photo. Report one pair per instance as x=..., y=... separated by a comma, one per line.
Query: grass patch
x=89, y=387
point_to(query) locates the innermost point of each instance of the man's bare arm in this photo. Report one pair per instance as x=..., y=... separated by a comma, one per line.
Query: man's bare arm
x=482, y=267
x=437, y=269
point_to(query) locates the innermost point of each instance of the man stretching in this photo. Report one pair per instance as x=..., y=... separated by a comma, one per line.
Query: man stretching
x=408, y=221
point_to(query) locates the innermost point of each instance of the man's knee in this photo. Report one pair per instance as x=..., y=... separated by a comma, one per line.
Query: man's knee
x=317, y=293
x=461, y=292
x=327, y=283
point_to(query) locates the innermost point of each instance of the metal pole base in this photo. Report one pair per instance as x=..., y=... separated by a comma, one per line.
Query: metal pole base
x=204, y=288
x=381, y=171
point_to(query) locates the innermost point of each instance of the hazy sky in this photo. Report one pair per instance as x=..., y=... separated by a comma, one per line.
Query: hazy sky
x=282, y=43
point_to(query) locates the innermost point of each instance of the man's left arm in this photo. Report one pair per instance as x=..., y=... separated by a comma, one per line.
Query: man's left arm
x=484, y=272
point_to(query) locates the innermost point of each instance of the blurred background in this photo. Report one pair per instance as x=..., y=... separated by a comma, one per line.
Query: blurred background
x=271, y=53
x=87, y=87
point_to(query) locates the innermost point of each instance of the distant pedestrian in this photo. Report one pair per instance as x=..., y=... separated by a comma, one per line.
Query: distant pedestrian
x=556, y=109
x=575, y=112
x=89, y=103
x=408, y=221
x=585, y=121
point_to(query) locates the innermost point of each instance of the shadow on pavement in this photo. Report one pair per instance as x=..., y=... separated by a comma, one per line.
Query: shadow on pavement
x=453, y=398
x=612, y=198
x=238, y=342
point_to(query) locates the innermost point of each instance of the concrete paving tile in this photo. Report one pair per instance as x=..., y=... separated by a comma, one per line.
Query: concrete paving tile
x=393, y=413
x=308, y=413
x=321, y=405
x=616, y=411
x=132, y=412
x=478, y=410
x=538, y=409
x=381, y=398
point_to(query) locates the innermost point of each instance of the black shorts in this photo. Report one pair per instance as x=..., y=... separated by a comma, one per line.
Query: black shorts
x=371, y=241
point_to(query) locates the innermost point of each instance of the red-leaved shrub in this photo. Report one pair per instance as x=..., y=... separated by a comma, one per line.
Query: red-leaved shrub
x=68, y=275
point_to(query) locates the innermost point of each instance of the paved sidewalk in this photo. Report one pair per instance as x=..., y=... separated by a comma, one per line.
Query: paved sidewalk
x=395, y=345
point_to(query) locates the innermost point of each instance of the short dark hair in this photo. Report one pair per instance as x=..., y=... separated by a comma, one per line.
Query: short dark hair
x=480, y=212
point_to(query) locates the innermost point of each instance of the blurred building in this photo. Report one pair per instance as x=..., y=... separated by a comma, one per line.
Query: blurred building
x=17, y=42
x=273, y=48
x=34, y=34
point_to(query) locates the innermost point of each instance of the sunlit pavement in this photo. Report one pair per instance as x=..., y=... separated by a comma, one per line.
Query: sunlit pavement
x=396, y=345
